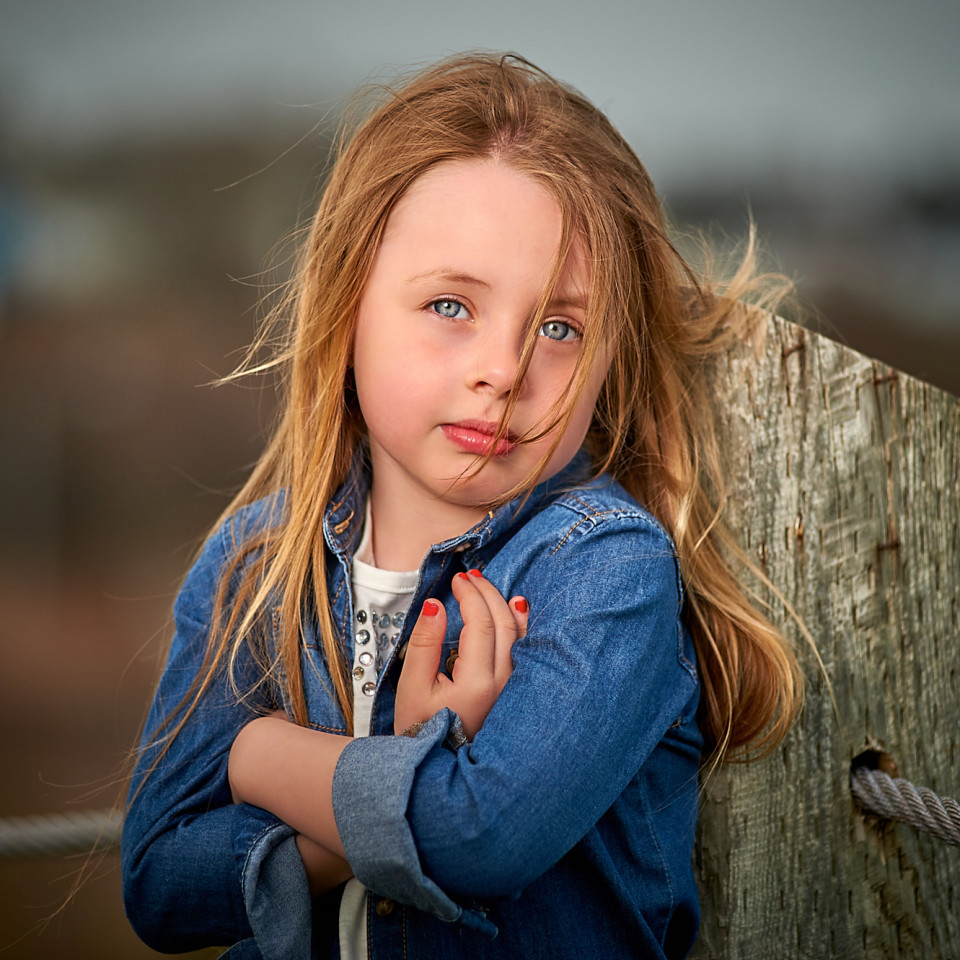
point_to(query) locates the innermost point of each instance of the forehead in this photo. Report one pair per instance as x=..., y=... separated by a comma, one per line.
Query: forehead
x=483, y=218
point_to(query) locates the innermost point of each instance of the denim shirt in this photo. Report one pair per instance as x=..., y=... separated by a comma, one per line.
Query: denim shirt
x=565, y=829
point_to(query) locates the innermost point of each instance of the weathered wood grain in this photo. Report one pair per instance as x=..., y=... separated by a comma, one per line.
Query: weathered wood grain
x=845, y=486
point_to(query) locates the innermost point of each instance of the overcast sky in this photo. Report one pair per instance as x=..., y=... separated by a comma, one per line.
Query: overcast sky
x=870, y=86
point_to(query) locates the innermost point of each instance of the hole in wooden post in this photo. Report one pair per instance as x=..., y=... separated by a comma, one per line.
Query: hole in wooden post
x=875, y=759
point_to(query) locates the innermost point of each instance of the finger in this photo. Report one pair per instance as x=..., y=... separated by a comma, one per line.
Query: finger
x=506, y=626
x=421, y=660
x=479, y=634
x=521, y=613
x=519, y=609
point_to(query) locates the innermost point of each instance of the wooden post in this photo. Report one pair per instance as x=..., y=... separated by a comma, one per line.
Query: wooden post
x=845, y=487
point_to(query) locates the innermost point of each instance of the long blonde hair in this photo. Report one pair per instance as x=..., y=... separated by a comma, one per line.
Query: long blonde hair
x=652, y=427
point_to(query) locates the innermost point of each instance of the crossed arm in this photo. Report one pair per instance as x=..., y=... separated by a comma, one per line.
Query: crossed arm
x=288, y=770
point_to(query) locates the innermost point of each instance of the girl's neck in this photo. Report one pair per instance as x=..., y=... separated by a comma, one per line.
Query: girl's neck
x=403, y=534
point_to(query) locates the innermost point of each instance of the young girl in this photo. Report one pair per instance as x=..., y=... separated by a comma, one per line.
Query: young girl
x=487, y=521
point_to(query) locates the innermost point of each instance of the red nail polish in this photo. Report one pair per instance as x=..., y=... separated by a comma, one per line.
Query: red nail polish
x=462, y=575
x=430, y=608
x=521, y=605
x=475, y=573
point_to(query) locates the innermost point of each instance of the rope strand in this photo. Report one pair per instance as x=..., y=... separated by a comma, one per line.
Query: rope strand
x=880, y=794
x=59, y=834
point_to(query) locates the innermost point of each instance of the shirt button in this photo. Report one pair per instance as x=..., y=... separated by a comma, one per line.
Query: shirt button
x=384, y=908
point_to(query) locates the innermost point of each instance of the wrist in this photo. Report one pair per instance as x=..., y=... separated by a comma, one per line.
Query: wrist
x=324, y=869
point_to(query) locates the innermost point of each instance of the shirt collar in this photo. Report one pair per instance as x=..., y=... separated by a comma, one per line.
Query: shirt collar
x=344, y=518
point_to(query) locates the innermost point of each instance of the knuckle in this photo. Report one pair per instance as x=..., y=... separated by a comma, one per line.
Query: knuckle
x=421, y=639
x=481, y=630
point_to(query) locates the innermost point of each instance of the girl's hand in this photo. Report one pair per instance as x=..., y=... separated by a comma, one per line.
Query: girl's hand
x=490, y=626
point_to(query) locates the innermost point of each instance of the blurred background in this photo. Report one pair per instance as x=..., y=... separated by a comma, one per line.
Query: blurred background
x=154, y=156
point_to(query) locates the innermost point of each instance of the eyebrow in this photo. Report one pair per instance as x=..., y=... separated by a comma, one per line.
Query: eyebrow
x=567, y=303
x=445, y=275
x=448, y=276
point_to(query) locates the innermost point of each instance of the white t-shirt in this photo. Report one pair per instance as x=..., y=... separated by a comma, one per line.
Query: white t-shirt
x=380, y=602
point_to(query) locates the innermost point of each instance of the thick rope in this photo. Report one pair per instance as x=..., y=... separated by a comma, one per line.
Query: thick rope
x=880, y=794
x=59, y=834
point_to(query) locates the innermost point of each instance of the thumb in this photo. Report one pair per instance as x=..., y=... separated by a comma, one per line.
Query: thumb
x=421, y=662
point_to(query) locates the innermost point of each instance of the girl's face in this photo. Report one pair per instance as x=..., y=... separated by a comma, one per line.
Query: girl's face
x=464, y=258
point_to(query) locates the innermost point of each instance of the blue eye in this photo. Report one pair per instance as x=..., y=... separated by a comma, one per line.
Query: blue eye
x=449, y=309
x=558, y=330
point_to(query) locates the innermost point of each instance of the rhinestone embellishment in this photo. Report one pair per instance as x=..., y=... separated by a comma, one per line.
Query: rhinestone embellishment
x=384, y=630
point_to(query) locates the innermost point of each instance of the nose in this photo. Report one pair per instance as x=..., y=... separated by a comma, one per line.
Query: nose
x=497, y=363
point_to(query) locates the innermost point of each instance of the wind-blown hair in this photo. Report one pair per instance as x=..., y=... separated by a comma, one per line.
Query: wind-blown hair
x=652, y=428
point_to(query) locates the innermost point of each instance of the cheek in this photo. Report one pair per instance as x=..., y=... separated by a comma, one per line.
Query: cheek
x=579, y=422
x=393, y=387
x=555, y=377
x=585, y=407
x=389, y=341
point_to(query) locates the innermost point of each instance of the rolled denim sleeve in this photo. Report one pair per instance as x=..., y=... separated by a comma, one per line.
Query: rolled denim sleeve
x=389, y=856
x=199, y=870
x=604, y=671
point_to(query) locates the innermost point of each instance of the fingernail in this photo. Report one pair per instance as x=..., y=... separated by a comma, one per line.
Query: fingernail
x=462, y=576
x=430, y=608
x=475, y=573
x=521, y=605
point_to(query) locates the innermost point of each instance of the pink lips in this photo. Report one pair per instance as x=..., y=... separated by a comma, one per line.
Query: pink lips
x=476, y=436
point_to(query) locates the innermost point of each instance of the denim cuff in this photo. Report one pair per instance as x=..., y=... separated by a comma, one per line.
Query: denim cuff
x=377, y=774
x=276, y=895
